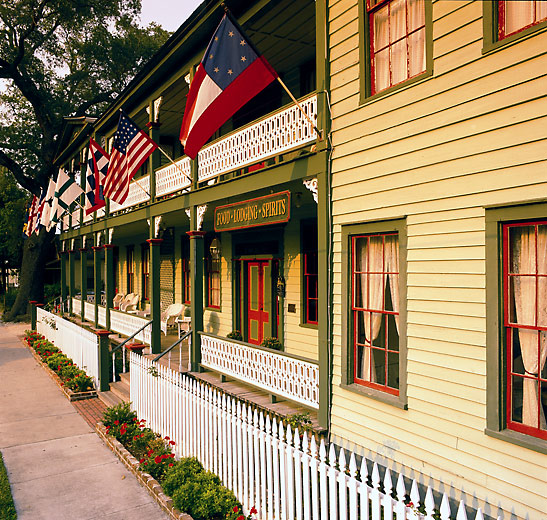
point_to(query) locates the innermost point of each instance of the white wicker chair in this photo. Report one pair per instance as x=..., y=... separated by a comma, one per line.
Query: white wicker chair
x=169, y=315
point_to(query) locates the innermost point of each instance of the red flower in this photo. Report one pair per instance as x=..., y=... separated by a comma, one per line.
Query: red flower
x=170, y=464
x=157, y=459
x=141, y=461
x=172, y=443
x=253, y=511
x=150, y=452
x=116, y=423
x=235, y=509
x=240, y=517
x=172, y=455
x=166, y=438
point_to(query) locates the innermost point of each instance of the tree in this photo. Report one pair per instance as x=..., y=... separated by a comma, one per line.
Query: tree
x=60, y=58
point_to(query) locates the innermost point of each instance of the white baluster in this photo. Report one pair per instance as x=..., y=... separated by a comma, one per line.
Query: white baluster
x=387, y=500
x=332, y=482
x=445, y=508
x=342, y=495
x=323, y=485
x=352, y=486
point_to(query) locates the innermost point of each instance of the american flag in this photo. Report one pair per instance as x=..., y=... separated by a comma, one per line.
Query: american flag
x=131, y=148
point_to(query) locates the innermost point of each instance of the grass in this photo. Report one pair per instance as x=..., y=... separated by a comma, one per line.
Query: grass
x=7, y=508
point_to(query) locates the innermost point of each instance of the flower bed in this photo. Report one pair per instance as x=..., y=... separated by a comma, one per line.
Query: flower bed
x=179, y=485
x=73, y=381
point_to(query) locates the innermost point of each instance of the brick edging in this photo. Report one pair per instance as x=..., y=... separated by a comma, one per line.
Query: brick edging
x=69, y=394
x=145, y=479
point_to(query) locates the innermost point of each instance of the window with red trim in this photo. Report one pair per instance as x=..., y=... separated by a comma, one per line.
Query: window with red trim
x=130, y=269
x=213, y=278
x=397, y=39
x=146, y=272
x=525, y=325
x=516, y=15
x=375, y=310
x=309, y=271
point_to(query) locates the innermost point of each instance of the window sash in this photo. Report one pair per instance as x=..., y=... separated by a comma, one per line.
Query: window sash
x=311, y=288
x=525, y=375
x=401, y=43
x=366, y=352
x=213, y=283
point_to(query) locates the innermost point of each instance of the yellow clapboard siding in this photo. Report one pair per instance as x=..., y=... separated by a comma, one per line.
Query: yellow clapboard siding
x=437, y=227
x=445, y=216
x=448, y=23
x=463, y=337
x=446, y=280
x=456, y=37
x=447, y=266
x=447, y=373
x=447, y=307
x=447, y=387
x=442, y=8
x=451, y=294
x=448, y=402
x=447, y=253
x=447, y=320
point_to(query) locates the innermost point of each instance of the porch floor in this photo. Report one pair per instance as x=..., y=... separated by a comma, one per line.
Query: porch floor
x=251, y=395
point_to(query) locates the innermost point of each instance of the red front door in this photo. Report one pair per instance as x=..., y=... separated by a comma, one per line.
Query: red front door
x=258, y=298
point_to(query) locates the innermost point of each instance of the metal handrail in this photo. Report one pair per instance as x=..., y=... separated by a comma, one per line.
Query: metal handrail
x=131, y=337
x=183, y=337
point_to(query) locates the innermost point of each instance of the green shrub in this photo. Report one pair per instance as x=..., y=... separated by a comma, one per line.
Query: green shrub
x=140, y=442
x=302, y=421
x=69, y=371
x=121, y=412
x=158, y=459
x=272, y=343
x=205, y=498
x=57, y=361
x=7, y=508
x=182, y=470
x=81, y=383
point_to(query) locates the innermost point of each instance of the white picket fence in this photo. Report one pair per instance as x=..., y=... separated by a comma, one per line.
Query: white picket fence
x=286, y=475
x=126, y=324
x=79, y=344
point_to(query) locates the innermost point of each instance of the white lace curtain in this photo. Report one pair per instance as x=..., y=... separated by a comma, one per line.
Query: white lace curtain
x=533, y=343
x=377, y=257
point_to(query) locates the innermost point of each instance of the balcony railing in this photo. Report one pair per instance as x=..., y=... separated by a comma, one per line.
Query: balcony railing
x=287, y=376
x=172, y=178
x=139, y=191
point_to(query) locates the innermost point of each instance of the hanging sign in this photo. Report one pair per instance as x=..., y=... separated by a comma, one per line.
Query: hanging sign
x=270, y=209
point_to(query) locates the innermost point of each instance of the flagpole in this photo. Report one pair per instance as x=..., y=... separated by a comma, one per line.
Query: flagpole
x=139, y=185
x=174, y=163
x=319, y=134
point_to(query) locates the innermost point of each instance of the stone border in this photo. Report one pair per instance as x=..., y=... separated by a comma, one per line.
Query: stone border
x=145, y=479
x=69, y=394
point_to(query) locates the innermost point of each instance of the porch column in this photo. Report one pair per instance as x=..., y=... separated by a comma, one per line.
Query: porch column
x=196, y=292
x=83, y=278
x=154, y=160
x=97, y=280
x=109, y=282
x=63, y=255
x=71, y=284
x=155, y=307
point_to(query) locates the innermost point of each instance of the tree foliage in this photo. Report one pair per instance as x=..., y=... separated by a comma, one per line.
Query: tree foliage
x=12, y=211
x=60, y=58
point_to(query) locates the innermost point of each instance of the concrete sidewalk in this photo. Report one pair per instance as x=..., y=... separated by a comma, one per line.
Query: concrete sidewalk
x=57, y=466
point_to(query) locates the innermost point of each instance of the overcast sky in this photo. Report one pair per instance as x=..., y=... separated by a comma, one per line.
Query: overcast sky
x=170, y=14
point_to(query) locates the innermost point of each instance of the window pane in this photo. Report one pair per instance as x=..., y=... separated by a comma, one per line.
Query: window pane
x=518, y=14
x=397, y=20
x=516, y=400
x=517, y=364
x=379, y=358
x=381, y=70
x=523, y=290
x=416, y=14
x=393, y=370
x=416, y=51
x=381, y=28
x=398, y=62
x=541, y=10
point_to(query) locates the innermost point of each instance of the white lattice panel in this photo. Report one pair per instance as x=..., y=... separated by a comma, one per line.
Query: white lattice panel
x=138, y=192
x=127, y=324
x=76, y=306
x=171, y=178
x=271, y=136
x=286, y=376
x=102, y=316
x=89, y=311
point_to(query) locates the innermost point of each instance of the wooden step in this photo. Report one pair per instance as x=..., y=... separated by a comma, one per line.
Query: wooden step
x=109, y=399
x=121, y=390
x=125, y=377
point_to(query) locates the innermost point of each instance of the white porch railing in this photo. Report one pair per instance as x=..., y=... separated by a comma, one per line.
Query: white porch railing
x=102, y=316
x=284, y=474
x=138, y=192
x=89, y=311
x=77, y=306
x=171, y=178
x=79, y=344
x=288, y=376
x=127, y=324
x=270, y=136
